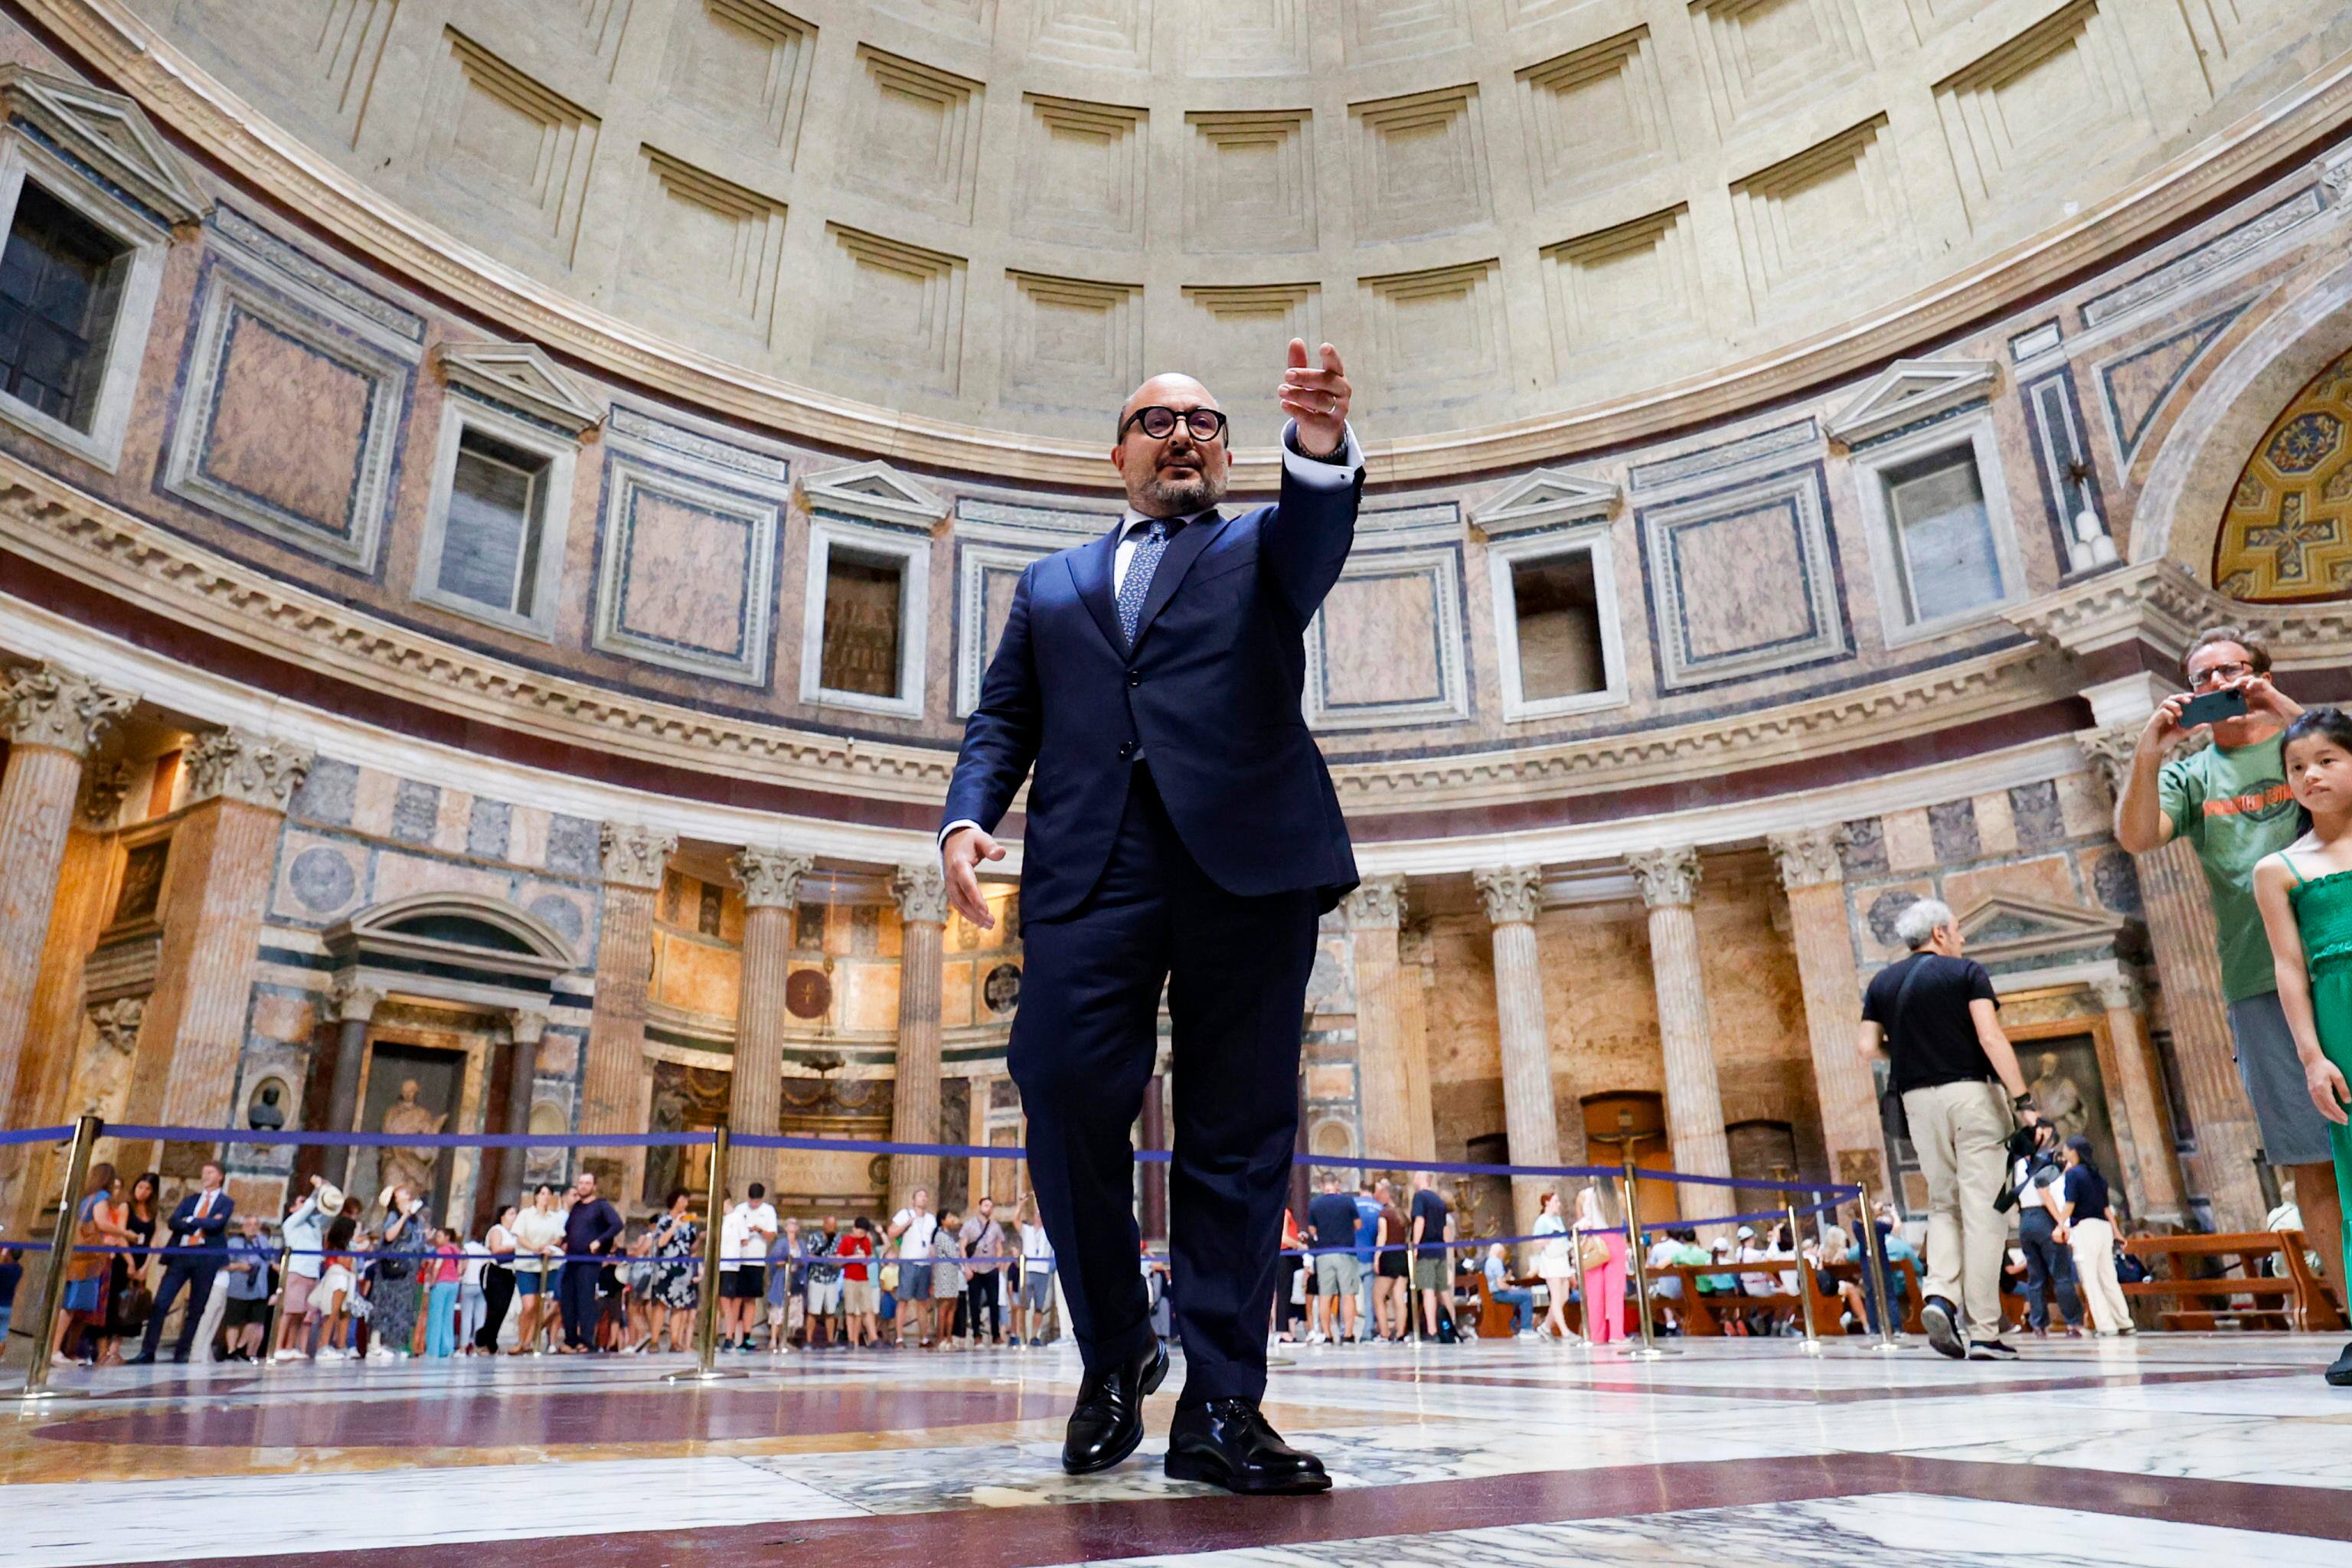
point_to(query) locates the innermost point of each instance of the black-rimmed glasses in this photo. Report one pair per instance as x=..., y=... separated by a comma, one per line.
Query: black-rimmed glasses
x=1159, y=423
x=2221, y=675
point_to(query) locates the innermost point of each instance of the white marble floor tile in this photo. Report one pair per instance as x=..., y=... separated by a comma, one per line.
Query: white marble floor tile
x=63, y=1525
x=1840, y=1532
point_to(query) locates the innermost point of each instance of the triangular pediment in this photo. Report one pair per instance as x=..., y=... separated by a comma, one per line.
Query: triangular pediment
x=1545, y=497
x=875, y=492
x=521, y=377
x=108, y=134
x=2007, y=926
x=1911, y=390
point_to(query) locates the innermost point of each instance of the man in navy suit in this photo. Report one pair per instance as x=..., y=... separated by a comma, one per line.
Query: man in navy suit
x=1181, y=828
x=191, y=1255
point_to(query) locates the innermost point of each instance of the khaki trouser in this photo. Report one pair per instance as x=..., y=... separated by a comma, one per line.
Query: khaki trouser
x=2092, y=1242
x=1961, y=1131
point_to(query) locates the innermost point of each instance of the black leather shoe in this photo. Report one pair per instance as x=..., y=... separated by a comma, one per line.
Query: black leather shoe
x=1107, y=1423
x=1229, y=1443
x=2340, y=1374
x=144, y=1358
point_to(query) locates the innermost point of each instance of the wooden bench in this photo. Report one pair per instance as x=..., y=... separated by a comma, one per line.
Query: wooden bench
x=1494, y=1318
x=2295, y=1299
x=1703, y=1315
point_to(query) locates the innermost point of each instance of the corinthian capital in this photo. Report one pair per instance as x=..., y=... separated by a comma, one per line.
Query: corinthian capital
x=1378, y=902
x=1808, y=857
x=922, y=892
x=236, y=764
x=353, y=1001
x=48, y=705
x=770, y=877
x=1667, y=877
x=2109, y=752
x=527, y=1027
x=635, y=857
x=1512, y=894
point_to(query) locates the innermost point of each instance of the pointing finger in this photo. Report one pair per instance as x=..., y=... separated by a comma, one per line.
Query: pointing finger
x=1298, y=353
x=1331, y=361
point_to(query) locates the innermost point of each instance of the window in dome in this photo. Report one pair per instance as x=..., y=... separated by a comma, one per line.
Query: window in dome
x=489, y=547
x=862, y=644
x=60, y=287
x=494, y=530
x=1556, y=624
x=1942, y=538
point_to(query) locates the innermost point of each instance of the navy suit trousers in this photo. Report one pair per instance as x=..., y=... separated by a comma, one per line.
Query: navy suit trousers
x=1235, y=969
x=195, y=1276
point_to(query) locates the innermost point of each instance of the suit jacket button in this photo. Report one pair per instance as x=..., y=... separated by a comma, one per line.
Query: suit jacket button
x=1135, y=677
x=1125, y=750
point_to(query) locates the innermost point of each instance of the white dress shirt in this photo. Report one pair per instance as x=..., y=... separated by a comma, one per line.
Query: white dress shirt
x=1315, y=473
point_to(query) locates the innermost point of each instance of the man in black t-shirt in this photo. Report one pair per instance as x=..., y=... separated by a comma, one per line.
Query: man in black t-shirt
x=1937, y=1018
x=1429, y=1222
x=1331, y=1221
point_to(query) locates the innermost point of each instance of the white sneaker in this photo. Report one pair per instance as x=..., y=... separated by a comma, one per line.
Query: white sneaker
x=330, y=1353
x=290, y=1354
x=1316, y=1338
x=379, y=1352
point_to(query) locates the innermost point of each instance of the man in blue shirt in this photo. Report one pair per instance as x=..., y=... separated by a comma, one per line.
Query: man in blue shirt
x=247, y=1315
x=1331, y=1220
x=1368, y=1237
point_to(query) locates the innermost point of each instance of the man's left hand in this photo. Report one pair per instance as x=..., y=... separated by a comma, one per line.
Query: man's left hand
x=1316, y=399
x=2261, y=697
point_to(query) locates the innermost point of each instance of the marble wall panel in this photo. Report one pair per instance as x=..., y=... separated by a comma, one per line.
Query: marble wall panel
x=1995, y=830
x=1910, y=840
x=1600, y=1004
x=2049, y=879
x=322, y=877
x=398, y=875
x=2137, y=383
x=1876, y=907
x=694, y=975
x=688, y=570
x=1743, y=581
x=1386, y=646
x=291, y=424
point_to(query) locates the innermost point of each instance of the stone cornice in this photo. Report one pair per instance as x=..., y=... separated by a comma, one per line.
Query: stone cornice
x=123, y=47
x=2155, y=603
x=2004, y=681
x=59, y=528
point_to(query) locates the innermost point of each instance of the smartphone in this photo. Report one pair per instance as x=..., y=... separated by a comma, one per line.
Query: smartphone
x=2212, y=707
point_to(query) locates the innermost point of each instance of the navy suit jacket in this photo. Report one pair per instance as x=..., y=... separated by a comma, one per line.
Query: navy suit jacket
x=187, y=1230
x=1210, y=694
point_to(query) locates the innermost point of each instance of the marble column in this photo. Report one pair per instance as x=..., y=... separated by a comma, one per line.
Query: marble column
x=634, y=858
x=915, y=1104
x=223, y=853
x=1669, y=880
x=2187, y=946
x=354, y=1005
x=1417, y=974
x=1814, y=878
x=1512, y=895
x=525, y=1029
x=51, y=717
x=1373, y=911
x=770, y=881
x=2156, y=1190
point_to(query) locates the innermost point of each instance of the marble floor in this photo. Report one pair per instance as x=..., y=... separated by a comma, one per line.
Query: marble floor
x=2193, y=1450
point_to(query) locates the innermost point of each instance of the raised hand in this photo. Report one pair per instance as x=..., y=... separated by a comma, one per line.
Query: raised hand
x=1316, y=399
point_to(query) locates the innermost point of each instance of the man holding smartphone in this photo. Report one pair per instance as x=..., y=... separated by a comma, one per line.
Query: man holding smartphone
x=2231, y=802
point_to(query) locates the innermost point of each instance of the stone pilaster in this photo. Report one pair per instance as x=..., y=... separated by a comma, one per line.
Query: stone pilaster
x=523, y=1031
x=53, y=1033
x=1669, y=880
x=915, y=1107
x=1814, y=878
x=2155, y=1175
x=1417, y=975
x=770, y=881
x=2188, y=945
x=634, y=858
x=1373, y=911
x=1512, y=895
x=223, y=852
x=51, y=717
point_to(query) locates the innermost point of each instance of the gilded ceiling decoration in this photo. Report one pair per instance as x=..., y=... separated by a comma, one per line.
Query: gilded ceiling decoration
x=2288, y=535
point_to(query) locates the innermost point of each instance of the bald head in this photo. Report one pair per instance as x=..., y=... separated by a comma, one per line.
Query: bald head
x=1178, y=474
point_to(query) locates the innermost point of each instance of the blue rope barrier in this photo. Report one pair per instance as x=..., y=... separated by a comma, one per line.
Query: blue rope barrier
x=413, y=1139
x=36, y=1135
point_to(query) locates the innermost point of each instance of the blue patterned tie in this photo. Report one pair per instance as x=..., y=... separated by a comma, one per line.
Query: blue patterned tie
x=1140, y=567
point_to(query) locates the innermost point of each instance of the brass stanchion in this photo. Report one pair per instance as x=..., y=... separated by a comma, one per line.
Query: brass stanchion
x=706, y=1299
x=1878, y=1280
x=1649, y=1348
x=1812, y=1345
x=53, y=1289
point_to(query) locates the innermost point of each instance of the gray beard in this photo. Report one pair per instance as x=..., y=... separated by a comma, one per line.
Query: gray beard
x=1182, y=498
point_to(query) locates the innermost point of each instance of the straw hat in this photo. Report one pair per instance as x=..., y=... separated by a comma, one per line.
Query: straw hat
x=331, y=1199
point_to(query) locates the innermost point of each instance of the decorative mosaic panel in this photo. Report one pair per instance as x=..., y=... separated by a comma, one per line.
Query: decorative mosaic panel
x=291, y=419
x=2287, y=535
x=687, y=573
x=1743, y=581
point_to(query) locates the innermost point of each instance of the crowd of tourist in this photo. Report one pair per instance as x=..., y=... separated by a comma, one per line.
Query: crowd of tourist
x=560, y=1273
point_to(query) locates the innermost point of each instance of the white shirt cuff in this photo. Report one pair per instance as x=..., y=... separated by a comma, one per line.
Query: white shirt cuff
x=1316, y=472
x=951, y=827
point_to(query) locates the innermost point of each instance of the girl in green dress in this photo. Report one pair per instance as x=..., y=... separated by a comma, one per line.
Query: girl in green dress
x=2305, y=892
